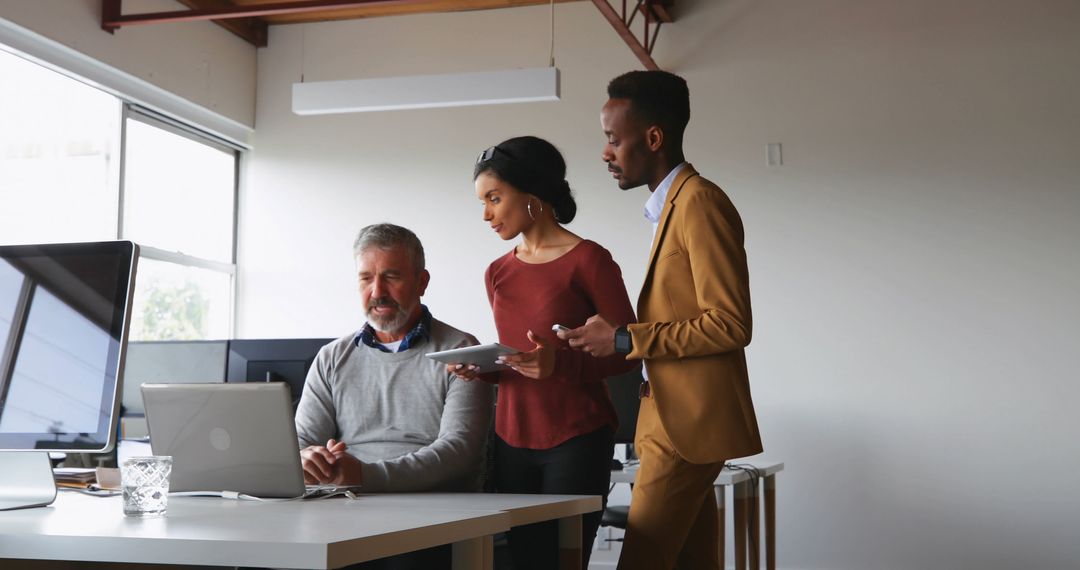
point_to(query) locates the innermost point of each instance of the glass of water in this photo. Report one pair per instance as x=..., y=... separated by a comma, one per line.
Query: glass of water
x=145, y=482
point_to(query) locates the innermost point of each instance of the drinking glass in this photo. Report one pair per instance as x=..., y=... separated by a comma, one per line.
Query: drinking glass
x=145, y=482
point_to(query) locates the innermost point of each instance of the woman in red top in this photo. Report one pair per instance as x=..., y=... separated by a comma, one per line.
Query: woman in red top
x=554, y=418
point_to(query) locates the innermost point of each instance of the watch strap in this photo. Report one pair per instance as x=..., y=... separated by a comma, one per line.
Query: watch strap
x=623, y=341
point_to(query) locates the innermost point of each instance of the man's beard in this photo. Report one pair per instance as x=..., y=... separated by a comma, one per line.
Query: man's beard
x=393, y=323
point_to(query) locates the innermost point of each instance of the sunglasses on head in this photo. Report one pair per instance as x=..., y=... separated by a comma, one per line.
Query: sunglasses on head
x=489, y=153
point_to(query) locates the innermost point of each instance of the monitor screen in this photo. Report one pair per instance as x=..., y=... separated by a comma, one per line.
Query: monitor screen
x=274, y=360
x=170, y=362
x=63, y=330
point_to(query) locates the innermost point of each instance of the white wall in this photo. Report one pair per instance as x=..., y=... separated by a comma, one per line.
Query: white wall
x=914, y=263
x=198, y=61
x=314, y=181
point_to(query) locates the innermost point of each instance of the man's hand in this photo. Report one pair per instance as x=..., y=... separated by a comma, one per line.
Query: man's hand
x=596, y=336
x=330, y=465
x=537, y=364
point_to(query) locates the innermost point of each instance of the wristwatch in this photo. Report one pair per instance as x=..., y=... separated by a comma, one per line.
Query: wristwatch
x=623, y=342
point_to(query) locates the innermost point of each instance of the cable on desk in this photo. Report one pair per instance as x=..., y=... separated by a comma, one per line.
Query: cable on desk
x=755, y=477
x=92, y=490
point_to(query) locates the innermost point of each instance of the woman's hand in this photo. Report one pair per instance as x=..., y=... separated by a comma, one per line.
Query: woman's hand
x=467, y=372
x=537, y=364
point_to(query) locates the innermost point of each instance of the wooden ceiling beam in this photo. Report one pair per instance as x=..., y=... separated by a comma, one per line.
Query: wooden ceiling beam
x=250, y=19
x=254, y=30
x=420, y=7
x=112, y=17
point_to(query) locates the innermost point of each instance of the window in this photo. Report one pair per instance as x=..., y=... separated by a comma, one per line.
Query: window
x=79, y=164
x=177, y=301
x=59, y=156
x=179, y=198
x=167, y=170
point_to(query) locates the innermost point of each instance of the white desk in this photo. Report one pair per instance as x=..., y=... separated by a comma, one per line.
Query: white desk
x=746, y=522
x=318, y=534
x=523, y=509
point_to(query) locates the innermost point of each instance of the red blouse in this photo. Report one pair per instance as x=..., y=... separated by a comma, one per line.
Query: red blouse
x=574, y=400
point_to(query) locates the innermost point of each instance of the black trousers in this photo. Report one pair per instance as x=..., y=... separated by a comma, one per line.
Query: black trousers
x=578, y=466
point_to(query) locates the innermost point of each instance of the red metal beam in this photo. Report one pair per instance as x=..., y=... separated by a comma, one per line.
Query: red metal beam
x=661, y=11
x=656, y=12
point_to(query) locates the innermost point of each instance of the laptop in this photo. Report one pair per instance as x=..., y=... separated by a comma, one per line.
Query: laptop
x=228, y=439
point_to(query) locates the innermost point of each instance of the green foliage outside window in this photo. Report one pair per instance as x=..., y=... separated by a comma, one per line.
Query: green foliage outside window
x=172, y=313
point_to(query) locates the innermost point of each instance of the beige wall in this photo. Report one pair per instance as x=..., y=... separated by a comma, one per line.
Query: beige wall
x=913, y=263
x=196, y=61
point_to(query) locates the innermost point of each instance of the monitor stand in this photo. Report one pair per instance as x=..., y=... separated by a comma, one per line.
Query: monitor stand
x=26, y=480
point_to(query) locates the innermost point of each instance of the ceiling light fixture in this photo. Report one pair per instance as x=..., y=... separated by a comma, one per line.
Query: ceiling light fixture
x=430, y=91
x=426, y=91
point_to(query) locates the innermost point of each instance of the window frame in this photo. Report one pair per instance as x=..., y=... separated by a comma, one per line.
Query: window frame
x=218, y=132
x=149, y=117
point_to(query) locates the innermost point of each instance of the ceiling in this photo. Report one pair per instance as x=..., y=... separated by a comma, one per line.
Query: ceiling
x=250, y=19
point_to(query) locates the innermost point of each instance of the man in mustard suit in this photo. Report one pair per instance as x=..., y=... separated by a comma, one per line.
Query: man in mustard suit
x=694, y=322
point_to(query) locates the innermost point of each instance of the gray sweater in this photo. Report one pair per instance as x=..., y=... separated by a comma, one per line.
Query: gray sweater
x=415, y=427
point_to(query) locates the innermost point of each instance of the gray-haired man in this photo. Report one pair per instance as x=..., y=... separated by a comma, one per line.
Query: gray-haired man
x=375, y=412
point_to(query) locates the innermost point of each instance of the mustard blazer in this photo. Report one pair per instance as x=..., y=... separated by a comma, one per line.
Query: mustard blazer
x=694, y=313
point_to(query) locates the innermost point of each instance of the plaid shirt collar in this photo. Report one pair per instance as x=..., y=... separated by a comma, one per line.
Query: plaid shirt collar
x=418, y=334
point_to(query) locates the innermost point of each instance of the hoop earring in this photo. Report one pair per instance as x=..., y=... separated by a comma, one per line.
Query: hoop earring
x=529, y=208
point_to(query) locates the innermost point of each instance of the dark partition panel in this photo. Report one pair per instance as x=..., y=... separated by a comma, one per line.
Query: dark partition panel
x=273, y=360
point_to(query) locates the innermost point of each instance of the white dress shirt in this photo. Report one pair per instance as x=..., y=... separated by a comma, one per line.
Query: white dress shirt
x=653, y=207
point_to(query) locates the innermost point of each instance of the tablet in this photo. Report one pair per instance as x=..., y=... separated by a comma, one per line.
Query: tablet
x=483, y=356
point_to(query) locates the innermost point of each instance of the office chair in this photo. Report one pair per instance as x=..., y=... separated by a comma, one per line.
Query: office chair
x=624, y=395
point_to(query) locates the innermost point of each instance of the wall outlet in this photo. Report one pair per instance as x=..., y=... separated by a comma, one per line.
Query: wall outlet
x=774, y=154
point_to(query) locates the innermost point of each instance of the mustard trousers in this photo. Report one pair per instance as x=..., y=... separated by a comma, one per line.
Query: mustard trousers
x=673, y=518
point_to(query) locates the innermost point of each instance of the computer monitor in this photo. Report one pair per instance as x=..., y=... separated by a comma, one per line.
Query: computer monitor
x=163, y=362
x=170, y=362
x=274, y=360
x=64, y=314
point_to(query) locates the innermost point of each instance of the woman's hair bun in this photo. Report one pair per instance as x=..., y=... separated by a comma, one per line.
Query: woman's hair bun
x=564, y=204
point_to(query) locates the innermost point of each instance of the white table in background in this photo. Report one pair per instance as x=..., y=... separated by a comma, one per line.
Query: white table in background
x=318, y=534
x=747, y=508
